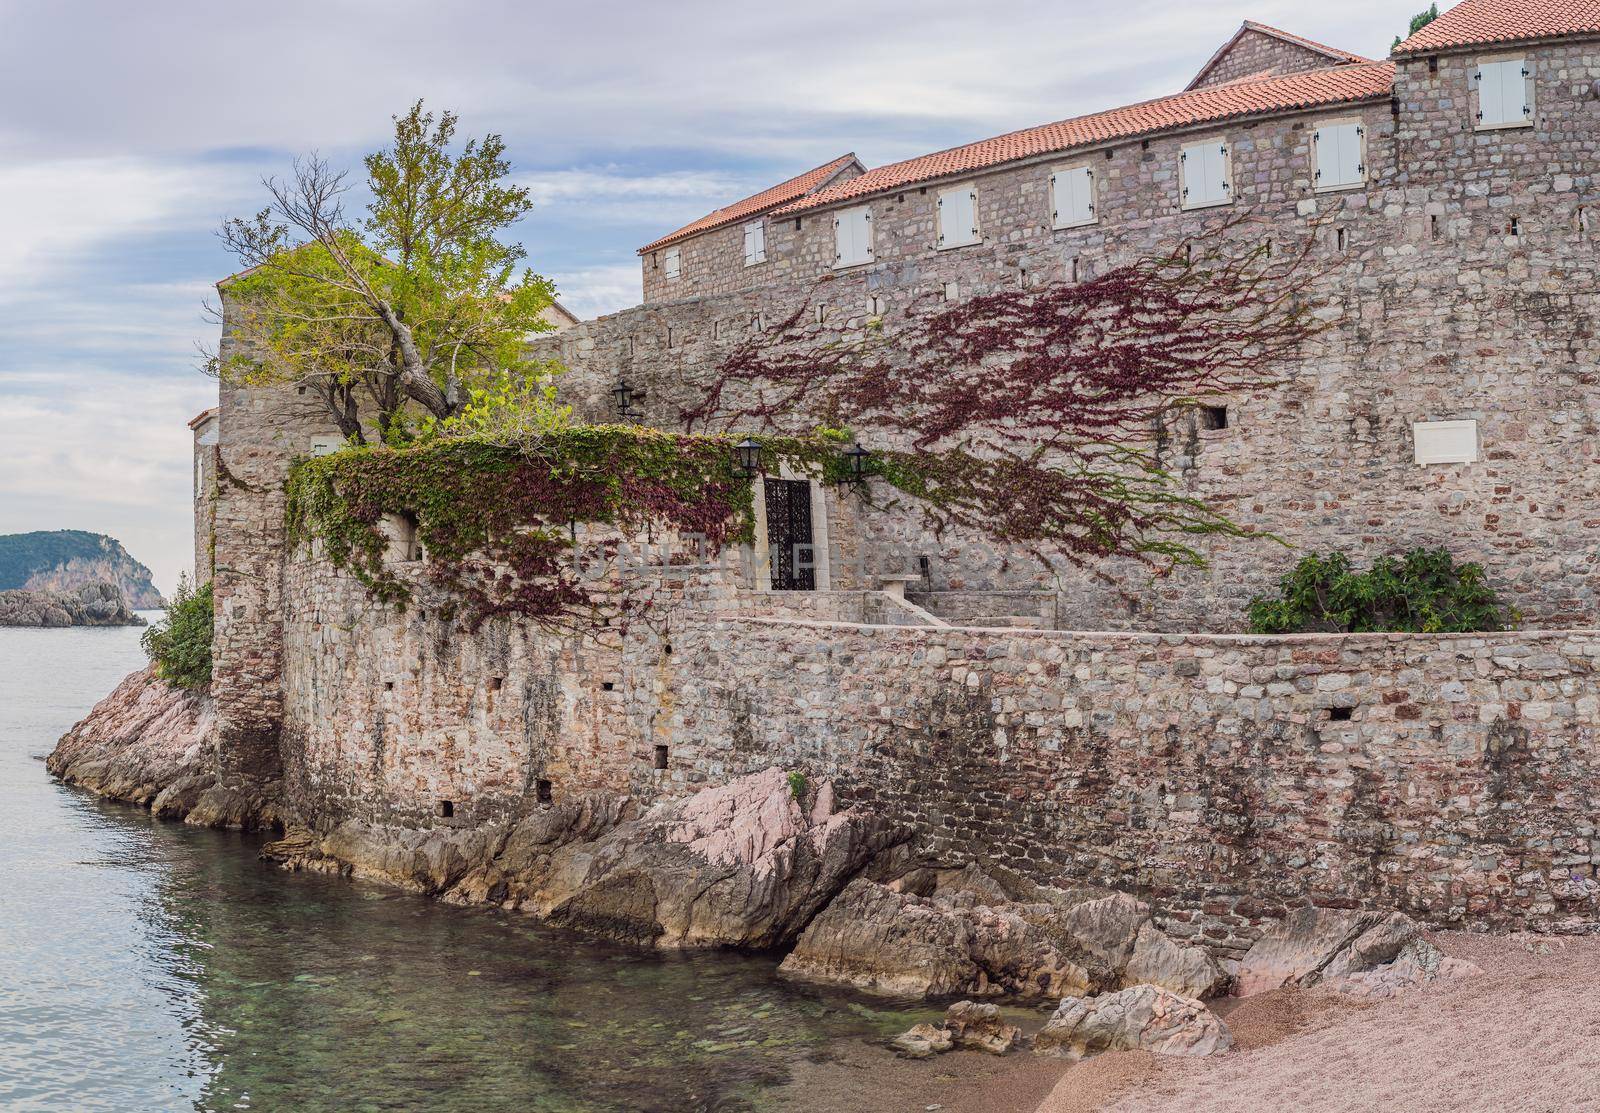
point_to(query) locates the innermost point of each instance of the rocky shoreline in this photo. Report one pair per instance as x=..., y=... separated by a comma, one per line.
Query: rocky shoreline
x=150, y=744
x=765, y=864
x=92, y=604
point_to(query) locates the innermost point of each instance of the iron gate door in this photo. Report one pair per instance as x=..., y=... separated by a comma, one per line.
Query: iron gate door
x=789, y=535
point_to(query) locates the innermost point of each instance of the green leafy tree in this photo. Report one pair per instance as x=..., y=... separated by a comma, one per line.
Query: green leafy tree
x=180, y=644
x=510, y=411
x=1418, y=22
x=1424, y=591
x=414, y=303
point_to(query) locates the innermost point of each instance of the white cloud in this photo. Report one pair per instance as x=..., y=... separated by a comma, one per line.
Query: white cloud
x=88, y=449
x=592, y=291
x=54, y=213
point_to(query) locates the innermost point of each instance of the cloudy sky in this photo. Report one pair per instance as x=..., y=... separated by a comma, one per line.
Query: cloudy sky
x=130, y=130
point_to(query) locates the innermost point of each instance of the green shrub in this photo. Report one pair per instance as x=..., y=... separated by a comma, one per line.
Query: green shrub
x=1424, y=591
x=180, y=644
x=797, y=786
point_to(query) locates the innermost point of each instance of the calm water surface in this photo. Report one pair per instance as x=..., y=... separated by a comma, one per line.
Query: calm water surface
x=147, y=965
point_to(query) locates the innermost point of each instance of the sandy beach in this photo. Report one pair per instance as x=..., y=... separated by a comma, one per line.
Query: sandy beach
x=1519, y=1038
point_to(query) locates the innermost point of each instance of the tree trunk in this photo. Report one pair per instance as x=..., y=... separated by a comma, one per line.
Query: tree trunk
x=415, y=380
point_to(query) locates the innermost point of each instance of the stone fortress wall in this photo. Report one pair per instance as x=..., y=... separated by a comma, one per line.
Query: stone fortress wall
x=1224, y=777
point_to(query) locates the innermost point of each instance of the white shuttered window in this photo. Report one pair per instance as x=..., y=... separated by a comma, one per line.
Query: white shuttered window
x=755, y=243
x=1505, y=93
x=1205, y=174
x=1340, y=155
x=958, y=216
x=852, y=237
x=1072, y=197
x=672, y=262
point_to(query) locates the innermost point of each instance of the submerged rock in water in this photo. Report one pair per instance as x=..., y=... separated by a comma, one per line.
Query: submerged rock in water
x=1139, y=1018
x=151, y=744
x=967, y=1024
x=92, y=604
x=738, y=865
x=1360, y=954
x=969, y=940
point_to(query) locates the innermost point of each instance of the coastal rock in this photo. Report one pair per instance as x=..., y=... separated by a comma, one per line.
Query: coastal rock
x=740, y=865
x=981, y=1027
x=883, y=939
x=1360, y=954
x=90, y=604
x=151, y=744
x=1140, y=1018
x=923, y=1041
x=968, y=1024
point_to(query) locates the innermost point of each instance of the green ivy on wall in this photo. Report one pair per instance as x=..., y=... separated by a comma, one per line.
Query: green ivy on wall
x=497, y=522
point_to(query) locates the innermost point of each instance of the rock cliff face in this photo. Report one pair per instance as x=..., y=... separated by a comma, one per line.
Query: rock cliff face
x=740, y=865
x=64, y=560
x=91, y=604
x=150, y=744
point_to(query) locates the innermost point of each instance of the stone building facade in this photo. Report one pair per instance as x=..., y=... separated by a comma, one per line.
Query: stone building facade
x=726, y=250
x=1080, y=724
x=1257, y=50
x=1451, y=401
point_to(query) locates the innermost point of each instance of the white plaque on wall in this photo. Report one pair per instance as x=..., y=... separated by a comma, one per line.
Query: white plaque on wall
x=1445, y=442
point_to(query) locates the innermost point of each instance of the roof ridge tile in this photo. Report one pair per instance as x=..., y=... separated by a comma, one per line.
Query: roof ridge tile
x=1212, y=104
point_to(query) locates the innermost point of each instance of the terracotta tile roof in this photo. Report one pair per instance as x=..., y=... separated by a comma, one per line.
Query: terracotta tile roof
x=1334, y=85
x=201, y=417
x=779, y=194
x=1476, y=22
x=1338, y=56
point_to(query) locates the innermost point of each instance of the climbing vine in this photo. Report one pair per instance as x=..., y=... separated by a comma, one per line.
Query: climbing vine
x=1028, y=414
x=498, y=523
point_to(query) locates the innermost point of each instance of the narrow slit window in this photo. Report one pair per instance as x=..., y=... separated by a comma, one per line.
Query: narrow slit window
x=447, y=809
x=661, y=757
x=542, y=793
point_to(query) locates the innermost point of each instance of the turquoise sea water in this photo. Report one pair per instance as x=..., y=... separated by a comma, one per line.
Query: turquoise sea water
x=150, y=966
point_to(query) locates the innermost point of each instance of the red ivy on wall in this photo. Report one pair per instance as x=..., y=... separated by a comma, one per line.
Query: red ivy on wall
x=1029, y=415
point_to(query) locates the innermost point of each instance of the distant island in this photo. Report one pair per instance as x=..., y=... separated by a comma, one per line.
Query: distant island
x=62, y=561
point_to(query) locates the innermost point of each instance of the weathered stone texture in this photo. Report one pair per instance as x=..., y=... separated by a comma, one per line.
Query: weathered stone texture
x=1226, y=780
x=1258, y=54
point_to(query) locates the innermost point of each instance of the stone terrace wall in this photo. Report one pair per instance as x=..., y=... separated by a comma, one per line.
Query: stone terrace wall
x=389, y=713
x=1226, y=779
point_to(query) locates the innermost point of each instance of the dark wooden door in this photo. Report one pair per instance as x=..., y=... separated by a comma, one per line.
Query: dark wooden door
x=789, y=535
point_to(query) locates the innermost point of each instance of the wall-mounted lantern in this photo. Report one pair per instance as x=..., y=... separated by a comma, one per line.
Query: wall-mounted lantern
x=624, y=393
x=747, y=458
x=855, y=458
